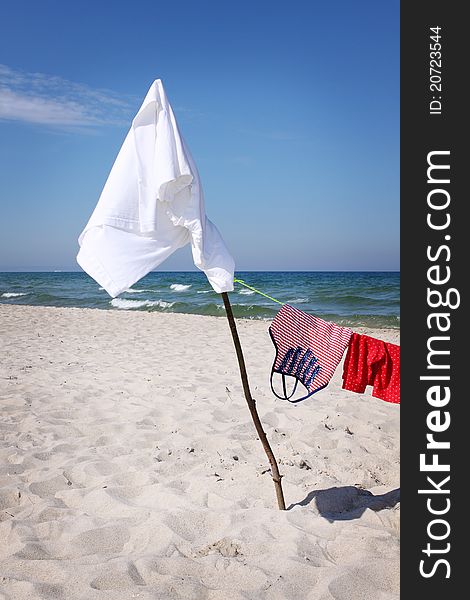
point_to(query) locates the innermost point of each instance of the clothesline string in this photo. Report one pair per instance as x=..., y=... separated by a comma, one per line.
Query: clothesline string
x=241, y=282
x=295, y=360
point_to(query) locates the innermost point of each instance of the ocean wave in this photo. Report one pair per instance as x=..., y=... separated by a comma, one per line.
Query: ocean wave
x=246, y=292
x=179, y=287
x=134, y=291
x=13, y=294
x=365, y=320
x=298, y=301
x=251, y=311
x=347, y=299
x=123, y=304
x=204, y=292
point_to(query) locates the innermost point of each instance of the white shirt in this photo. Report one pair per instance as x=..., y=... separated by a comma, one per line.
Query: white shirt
x=151, y=205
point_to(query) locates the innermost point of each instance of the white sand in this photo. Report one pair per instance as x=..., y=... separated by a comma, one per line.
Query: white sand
x=130, y=467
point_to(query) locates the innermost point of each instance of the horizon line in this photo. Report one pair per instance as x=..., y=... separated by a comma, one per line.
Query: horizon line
x=237, y=271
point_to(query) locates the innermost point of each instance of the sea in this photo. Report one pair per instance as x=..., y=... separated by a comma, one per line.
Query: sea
x=370, y=299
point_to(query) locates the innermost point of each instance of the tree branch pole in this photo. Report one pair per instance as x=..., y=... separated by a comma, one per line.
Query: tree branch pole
x=252, y=405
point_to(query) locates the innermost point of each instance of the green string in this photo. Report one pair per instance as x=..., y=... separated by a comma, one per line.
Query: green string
x=257, y=291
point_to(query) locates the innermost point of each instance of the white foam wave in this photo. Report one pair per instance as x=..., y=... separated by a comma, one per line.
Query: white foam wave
x=179, y=287
x=298, y=301
x=204, y=291
x=246, y=292
x=123, y=304
x=134, y=291
x=13, y=294
x=163, y=304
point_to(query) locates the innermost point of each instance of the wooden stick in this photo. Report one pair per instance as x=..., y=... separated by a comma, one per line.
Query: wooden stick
x=252, y=405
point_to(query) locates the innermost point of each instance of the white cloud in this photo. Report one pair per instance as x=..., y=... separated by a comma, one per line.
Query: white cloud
x=49, y=100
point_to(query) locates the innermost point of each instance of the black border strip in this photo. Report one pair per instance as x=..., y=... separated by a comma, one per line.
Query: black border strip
x=423, y=132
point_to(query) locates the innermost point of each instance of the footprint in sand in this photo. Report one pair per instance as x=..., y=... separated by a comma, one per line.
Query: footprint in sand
x=49, y=487
x=9, y=498
x=102, y=540
x=114, y=579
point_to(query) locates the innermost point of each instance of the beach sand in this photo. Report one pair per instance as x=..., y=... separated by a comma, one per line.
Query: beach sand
x=130, y=467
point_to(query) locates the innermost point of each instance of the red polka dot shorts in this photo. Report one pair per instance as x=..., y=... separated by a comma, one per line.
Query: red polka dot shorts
x=372, y=362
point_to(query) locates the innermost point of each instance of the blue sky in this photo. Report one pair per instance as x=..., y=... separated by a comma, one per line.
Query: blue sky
x=291, y=111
